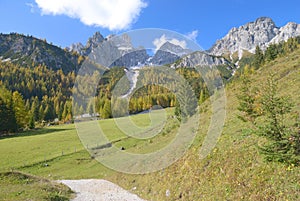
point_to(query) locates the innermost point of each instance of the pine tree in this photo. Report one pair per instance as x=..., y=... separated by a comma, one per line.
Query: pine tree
x=81, y=110
x=49, y=113
x=271, y=52
x=106, y=111
x=282, y=140
x=12, y=124
x=91, y=109
x=8, y=122
x=290, y=45
x=3, y=116
x=275, y=109
x=61, y=110
x=41, y=113
x=35, y=109
x=64, y=115
x=177, y=110
x=27, y=105
x=247, y=101
x=19, y=108
x=119, y=108
x=258, y=58
x=70, y=111
x=31, y=122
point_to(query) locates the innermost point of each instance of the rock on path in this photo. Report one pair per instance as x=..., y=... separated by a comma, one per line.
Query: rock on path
x=99, y=190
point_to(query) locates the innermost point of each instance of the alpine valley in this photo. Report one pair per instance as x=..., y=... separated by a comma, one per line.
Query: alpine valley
x=253, y=71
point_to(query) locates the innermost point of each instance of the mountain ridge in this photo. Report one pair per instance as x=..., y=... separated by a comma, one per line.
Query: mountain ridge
x=119, y=51
x=262, y=32
x=30, y=51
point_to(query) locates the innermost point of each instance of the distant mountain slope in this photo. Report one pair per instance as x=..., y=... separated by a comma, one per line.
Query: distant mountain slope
x=202, y=59
x=261, y=32
x=30, y=51
x=119, y=51
x=111, y=51
x=169, y=53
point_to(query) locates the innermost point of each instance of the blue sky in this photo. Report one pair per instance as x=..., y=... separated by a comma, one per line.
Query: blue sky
x=208, y=20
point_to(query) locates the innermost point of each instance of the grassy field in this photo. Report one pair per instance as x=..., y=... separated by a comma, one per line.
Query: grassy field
x=19, y=187
x=233, y=171
x=37, y=146
x=56, y=152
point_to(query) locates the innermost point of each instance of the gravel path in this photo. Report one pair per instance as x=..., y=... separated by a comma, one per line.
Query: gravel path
x=99, y=190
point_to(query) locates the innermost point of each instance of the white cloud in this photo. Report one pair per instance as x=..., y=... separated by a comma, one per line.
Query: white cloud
x=111, y=14
x=158, y=42
x=192, y=35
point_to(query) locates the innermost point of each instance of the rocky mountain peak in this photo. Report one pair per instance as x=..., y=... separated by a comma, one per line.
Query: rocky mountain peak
x=77, y=47
x=246, y=37
x=174, y=49
x=290, y=30
x=91, y=44
x=168, y=53
x=96, y=38
x=94, y=41
x=168, y=44
x=264, y=20
x=123, y=42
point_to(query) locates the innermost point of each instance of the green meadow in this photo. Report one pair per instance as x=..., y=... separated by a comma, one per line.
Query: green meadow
x=56, y=152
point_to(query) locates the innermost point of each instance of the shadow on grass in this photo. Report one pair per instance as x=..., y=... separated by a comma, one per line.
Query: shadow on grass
x=37, y=131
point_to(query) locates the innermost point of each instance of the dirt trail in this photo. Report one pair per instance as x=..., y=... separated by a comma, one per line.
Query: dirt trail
x=99, y=190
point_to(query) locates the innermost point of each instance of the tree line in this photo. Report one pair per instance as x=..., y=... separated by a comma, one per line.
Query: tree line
x=254, y=61
x=154, y=87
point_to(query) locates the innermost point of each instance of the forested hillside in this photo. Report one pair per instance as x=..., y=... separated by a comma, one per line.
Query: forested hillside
x=34, y=95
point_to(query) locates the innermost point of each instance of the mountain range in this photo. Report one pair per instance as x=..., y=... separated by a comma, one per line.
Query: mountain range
x=119, y=50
